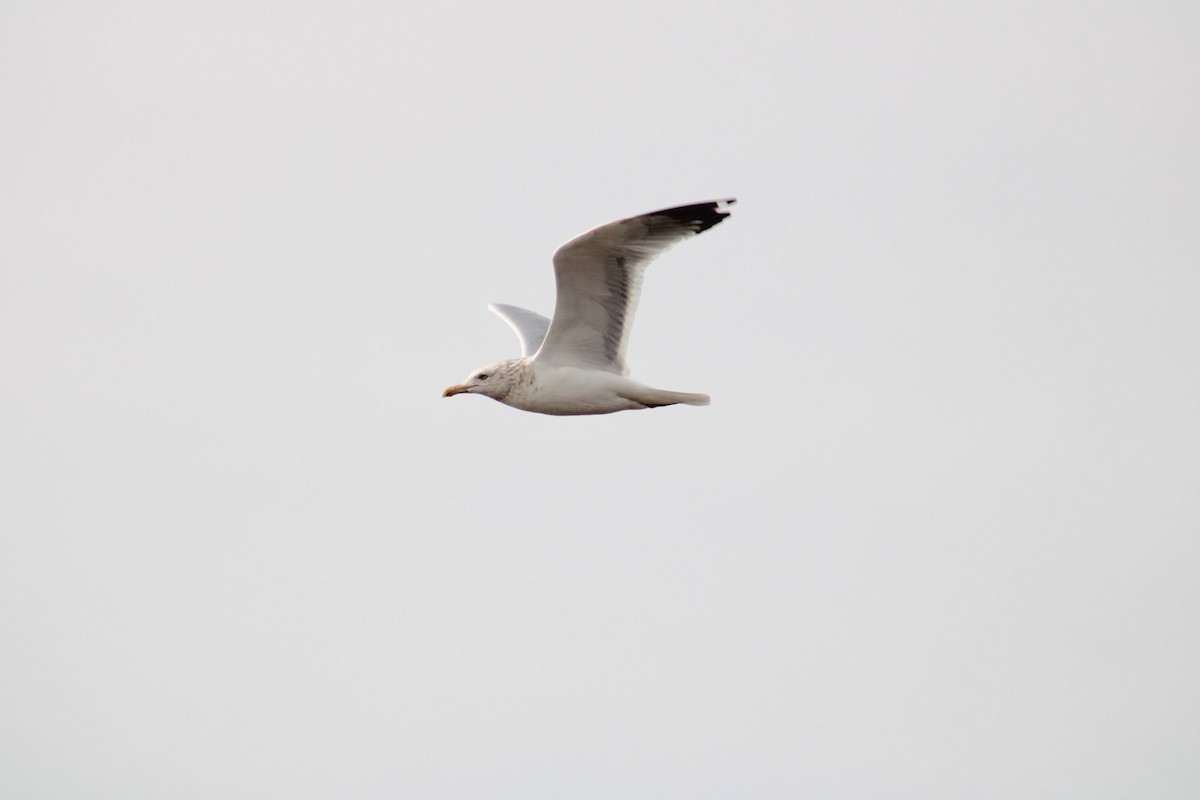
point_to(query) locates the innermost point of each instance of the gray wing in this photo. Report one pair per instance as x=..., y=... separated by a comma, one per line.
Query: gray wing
x=529, y=326
x=599, y=276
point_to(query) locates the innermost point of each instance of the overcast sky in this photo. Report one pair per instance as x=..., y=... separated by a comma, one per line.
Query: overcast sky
x=937, y=536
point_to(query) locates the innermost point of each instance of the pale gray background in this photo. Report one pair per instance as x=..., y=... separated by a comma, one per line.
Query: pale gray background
x=936, y=537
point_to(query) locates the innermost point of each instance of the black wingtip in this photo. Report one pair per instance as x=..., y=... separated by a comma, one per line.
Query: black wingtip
x=699, y=217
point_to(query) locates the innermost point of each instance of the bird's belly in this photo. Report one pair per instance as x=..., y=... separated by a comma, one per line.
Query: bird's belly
x=570, y=391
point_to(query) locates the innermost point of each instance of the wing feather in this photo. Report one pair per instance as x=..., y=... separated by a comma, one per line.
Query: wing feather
x=529, y=326
x=599, y=278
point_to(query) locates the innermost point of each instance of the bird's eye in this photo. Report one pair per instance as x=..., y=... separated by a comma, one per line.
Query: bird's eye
x=483, y=376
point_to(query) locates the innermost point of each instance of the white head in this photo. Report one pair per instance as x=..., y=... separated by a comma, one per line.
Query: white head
x=494, y=381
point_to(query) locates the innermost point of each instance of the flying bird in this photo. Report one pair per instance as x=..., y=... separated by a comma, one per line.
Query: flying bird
x=575, y=363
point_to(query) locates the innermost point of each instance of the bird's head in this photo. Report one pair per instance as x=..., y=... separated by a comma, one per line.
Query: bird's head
x=494, y=381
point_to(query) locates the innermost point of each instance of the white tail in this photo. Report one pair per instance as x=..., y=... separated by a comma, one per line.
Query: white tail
x=653, y=398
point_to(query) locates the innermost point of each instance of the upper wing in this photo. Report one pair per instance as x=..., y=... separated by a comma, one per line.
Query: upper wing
x=599, y=277
x=529, y=326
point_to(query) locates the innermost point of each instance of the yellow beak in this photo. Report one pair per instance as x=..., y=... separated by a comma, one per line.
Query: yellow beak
x=457, y=388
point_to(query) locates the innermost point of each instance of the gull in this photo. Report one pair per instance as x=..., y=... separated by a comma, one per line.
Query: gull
x=575, y=363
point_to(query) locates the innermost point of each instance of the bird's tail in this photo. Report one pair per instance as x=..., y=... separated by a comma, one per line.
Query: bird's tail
x=653, y=398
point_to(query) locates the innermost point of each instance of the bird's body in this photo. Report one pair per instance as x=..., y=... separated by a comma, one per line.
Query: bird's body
x=575, y=363
x=567, y=391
